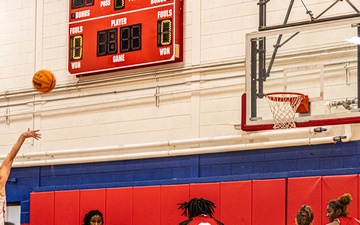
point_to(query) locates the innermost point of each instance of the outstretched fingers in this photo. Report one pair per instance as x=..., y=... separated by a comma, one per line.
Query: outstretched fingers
x=33, y=133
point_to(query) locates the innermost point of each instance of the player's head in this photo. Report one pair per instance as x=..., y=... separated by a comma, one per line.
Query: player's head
x=305, y=215
x=338, y=207
x=94, y=217
x=197, y=206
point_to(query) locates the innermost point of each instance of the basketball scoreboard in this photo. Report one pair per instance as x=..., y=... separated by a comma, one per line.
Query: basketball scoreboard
x=109, y=35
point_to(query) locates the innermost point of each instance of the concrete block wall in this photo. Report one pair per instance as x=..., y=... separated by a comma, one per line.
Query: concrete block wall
x=75, y=116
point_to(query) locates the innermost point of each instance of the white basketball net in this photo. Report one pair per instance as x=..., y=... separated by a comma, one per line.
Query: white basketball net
x=283, y=106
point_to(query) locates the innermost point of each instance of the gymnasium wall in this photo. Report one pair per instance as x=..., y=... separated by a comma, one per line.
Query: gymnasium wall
x=197, y=98
x=287, y=177
x=200, y=97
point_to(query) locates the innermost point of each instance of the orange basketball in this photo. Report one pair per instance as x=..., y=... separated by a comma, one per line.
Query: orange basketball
x=44, y=81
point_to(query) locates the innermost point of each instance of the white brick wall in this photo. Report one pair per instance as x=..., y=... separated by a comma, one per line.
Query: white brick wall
x=33, y=37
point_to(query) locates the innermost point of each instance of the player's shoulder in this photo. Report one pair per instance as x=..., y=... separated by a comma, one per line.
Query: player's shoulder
x=186, y=222
x=220, y=223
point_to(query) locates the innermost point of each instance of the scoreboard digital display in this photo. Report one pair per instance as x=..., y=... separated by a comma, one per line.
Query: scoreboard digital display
x=109, y=35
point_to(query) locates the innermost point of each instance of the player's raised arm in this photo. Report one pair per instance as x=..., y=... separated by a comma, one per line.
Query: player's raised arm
x=9, y=159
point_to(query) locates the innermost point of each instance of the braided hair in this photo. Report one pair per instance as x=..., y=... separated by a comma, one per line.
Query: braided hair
x=341, y=203
x=305, y=215
x=197, y=206
x=90, y=214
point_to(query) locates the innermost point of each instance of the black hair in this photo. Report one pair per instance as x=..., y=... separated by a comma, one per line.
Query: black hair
x=9, y=223
x=305, y=215
x=90, y=214
x=197, y=206
x=341, y=203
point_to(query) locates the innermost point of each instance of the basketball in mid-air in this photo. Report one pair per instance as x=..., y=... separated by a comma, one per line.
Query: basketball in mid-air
x=44, y=81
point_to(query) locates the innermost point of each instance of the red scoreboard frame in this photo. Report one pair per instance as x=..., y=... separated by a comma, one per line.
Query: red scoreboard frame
x=109, y=35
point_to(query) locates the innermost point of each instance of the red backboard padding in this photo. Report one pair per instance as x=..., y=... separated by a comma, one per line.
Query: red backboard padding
x=304, y=191
x=42, y=208
x=171, y=196
x=90, y=200
x=269, y=201
x=335, y=186
x=119, y=204
x=235, y=202
x=241, y=203
x=146, y=207
x=69, y=201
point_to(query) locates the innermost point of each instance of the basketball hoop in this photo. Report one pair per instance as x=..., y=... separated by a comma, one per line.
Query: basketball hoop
x=283, y=106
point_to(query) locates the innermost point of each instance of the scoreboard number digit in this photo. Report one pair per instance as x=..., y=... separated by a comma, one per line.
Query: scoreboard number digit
x=119, y=4
x=76, y=47
x=164, y=32
x=107, y=42
x=130, y=38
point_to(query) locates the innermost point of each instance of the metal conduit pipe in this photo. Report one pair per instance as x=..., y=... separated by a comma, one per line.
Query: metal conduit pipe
x=42, y=101
x=118, y=92
x=103, y=101
x=191, y=151
x=252, y=146
x=157, y=74
x=141, y=76
x=94, y=83
x=174, y=143
x=161, y=73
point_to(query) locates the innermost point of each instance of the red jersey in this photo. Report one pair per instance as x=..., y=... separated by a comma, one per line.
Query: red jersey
x=201, y=220
x=347, y=221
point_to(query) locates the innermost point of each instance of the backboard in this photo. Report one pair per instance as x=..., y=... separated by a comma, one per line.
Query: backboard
x=319, y=60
